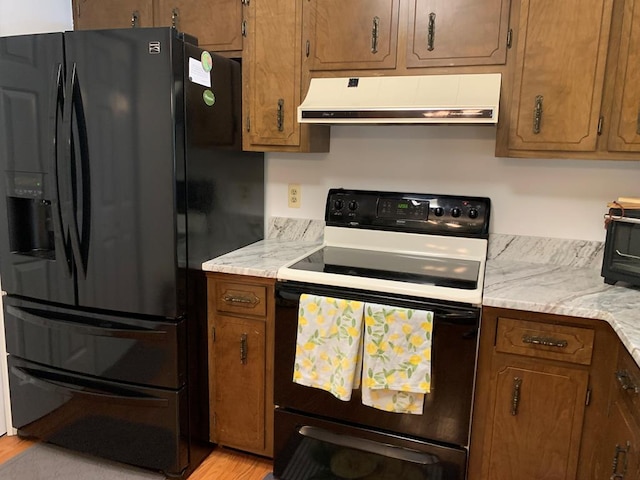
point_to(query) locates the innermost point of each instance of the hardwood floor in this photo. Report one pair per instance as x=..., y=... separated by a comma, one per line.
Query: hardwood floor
x=222, y=464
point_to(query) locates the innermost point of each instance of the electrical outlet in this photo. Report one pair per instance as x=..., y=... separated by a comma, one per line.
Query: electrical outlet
x=294, y=195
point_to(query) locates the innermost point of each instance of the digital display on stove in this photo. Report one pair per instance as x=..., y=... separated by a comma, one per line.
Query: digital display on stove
x=400, y=267
x=403, y=208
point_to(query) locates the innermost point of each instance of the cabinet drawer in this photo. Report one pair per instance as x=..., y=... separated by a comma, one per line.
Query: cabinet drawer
x=241, y=298
x=543, y=340
x=628, y=382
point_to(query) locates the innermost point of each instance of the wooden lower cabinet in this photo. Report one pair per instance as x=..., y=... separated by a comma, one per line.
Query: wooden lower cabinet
x=619, y=457
x=240, y=318
x=542, y=394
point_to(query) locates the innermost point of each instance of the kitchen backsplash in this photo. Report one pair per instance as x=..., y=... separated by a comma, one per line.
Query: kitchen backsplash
x=554, y=251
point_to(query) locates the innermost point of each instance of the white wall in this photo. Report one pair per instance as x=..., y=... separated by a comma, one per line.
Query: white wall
x=547, y=198
x=21, y=17
x=34, y=16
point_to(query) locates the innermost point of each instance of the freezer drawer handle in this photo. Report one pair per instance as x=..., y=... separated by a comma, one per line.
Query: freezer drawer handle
x=81, y=328
x=135, y=399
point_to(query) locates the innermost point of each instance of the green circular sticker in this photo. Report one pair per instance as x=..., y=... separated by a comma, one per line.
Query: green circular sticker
x=207, y=61
x=208, y=97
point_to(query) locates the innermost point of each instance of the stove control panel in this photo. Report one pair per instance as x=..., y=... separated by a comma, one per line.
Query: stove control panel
x=410, y=212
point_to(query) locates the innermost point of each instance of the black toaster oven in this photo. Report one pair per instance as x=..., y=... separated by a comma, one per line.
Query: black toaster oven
x=621, y=260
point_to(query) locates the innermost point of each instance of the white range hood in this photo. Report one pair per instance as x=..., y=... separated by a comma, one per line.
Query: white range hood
x=465, y=99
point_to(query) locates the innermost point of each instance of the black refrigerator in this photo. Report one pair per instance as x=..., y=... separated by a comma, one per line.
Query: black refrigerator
x=122, y=171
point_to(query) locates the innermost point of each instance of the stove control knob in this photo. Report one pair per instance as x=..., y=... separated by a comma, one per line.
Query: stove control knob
x=456, y=212
x=338, y=204
x=438, y=211
x=473, y=213
x=353, y=205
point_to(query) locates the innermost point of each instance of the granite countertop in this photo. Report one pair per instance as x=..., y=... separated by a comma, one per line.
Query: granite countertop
x=559, y=276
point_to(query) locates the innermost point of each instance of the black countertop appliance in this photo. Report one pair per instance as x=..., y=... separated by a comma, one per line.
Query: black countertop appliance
x=122, y=171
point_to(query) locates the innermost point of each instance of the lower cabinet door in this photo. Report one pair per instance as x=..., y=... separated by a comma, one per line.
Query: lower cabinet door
x=537, y=421
x=239, y=383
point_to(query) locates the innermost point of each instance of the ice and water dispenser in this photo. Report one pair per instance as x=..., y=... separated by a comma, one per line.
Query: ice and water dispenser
x=29, y=215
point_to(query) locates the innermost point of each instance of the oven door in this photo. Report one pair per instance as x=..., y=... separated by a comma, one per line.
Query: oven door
x=447, y=408
x=319, y=449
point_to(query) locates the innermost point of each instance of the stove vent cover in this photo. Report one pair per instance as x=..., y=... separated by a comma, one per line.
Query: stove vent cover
x=423, y=99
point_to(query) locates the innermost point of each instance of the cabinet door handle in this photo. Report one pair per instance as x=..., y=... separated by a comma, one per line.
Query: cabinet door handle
x=374, y=34
x=175, y=13
x=615, y=475
x=537, y=114
x=280, y=115
x=638, y=123
x=243, y=348
x=515, y=399
x=243, y=28
x=546, y=341
x=245, y=3
x=625, y=381
x=431, y=31
x=135, y=19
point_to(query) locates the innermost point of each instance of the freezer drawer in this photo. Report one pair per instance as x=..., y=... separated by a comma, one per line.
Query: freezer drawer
x=133, y=425
x=126, y=349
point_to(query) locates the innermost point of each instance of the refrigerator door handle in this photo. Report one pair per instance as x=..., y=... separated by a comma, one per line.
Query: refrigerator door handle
x=115, y=329
x=57, y=112
x=69, y=210
x=125, y=396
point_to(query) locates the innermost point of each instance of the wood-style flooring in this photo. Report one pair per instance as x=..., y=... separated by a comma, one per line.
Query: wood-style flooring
x=221, y=464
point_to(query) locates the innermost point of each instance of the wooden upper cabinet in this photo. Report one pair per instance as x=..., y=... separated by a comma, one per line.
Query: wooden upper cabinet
x=273, y=74
x=100, y=14
x=457, y=32
x=351, y=35
x=559, y=74
x=625, y=115
x=216, y=23
x=272, y=81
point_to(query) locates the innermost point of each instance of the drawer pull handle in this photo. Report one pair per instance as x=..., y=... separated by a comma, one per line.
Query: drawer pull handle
x=546, y=341
x=243, y=349
x=240, y=300
x=515, y=399
x=616, y=460
x=625, y=381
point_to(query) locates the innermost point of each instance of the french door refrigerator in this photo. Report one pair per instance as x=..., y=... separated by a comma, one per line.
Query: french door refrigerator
x=122, y=171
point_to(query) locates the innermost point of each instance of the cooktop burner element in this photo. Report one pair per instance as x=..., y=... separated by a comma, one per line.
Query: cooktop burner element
x=423, y=245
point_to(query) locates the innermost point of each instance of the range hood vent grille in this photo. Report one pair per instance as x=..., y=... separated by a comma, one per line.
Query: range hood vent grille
x=466, y=99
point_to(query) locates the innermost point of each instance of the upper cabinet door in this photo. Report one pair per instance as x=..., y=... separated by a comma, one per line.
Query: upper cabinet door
x=625, y=115
x=559, y=74
x=351, y=35
x=217, y=24
x=457, y=32
x=98, y=14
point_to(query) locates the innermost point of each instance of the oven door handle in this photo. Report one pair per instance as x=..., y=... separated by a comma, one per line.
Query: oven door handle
x=370, y=446
x=291, y=298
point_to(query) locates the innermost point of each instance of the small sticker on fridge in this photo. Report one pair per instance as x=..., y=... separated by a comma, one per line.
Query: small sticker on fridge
x=197, y=73
x=207, y=61
x=208, y=97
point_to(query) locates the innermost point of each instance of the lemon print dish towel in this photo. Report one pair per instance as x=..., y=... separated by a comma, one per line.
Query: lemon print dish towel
x=328, y=344
x=396, y=364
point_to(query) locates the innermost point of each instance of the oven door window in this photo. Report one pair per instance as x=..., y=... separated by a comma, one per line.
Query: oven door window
x=323, y=455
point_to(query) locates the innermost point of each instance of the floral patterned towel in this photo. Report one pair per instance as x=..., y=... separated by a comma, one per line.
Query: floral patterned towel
x=396, y=366
x=328, y=344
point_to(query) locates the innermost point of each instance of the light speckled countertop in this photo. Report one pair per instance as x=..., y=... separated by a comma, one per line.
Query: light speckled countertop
x=559, y=276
